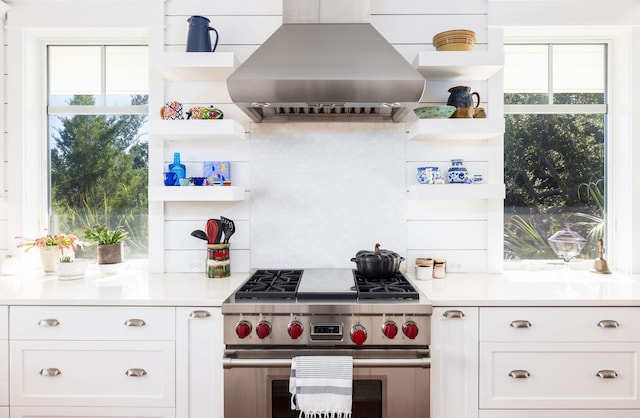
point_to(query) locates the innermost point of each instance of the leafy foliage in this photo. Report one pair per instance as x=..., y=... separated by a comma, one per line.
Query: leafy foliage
x=99, y=172
x=554, y=171
x=103, y=235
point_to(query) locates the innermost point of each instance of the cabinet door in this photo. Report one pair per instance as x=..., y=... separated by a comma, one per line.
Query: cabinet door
x=4, y=356
x=87, y=412
x=454, y=367
x=199, y=349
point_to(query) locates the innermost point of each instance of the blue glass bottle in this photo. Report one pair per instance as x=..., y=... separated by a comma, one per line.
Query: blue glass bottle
x=178, y=168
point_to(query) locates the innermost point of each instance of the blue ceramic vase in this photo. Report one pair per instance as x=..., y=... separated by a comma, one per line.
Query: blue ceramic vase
x=458, y=173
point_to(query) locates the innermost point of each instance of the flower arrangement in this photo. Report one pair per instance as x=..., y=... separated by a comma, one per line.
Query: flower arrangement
x=61, y=241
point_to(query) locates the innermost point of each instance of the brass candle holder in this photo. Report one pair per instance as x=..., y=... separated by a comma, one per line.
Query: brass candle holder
x=600, y=264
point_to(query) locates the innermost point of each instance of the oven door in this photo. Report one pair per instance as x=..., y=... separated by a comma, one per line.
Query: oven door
x=386, y=383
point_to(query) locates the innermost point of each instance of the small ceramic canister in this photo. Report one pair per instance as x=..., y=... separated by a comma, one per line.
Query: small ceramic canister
x=424, y=268
x=439, y=269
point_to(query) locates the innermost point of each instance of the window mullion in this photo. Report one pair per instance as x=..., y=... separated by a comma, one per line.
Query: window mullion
x=103, y=75
x=550, y=74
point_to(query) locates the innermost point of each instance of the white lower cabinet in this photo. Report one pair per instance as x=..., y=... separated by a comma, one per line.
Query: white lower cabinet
x=559, y=362
x=557, y=413
x=454, y=369
x=87, y=412
x=199, y=350
x=92, y=361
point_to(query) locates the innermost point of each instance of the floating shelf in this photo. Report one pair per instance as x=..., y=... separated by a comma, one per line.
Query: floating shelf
x=194, y=66
x=196, y=193
x=197, y=129
x=456, y=128
x=460, y=65
x=457, y=191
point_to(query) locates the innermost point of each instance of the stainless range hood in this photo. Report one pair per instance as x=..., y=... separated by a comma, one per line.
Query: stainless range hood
x=334, y=71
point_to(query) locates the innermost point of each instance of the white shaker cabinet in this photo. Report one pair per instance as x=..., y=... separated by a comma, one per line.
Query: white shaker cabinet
x=85, y=361
x=199, y=350
x=454, y=370
x=566, y=361
x=4, y=362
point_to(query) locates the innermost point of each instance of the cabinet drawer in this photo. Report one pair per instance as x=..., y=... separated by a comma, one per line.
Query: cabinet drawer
x=559, y=375
x=88, y=412
x=91, y=323
x=538, y=413
x=92, y=373
x=559, y=324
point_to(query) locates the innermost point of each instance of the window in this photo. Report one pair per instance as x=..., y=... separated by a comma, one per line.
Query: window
x=98, y=151
x=555, y=146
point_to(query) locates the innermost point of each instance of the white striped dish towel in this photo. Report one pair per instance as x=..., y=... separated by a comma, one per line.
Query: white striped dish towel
x=321, y=386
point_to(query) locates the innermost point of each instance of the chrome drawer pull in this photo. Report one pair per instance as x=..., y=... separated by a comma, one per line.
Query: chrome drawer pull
x=199, y=314
x=520, y=324
x=519, y=374
x=455, y=314
x=608, y=323
x=49, y=322
x=135, y=372
x=135, y=323
x=51, y=371
x=607, y=374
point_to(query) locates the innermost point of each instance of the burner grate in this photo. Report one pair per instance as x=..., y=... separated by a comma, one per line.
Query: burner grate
x=271, y=284
x=395, y=287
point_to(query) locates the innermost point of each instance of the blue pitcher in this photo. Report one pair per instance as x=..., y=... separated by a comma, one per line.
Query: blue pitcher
x=462, y=98
x=198, y=39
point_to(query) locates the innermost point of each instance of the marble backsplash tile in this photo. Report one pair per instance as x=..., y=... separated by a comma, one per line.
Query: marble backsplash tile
x=320, y=192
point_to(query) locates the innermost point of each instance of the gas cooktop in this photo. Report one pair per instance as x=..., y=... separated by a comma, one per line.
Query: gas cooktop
x=320, y=284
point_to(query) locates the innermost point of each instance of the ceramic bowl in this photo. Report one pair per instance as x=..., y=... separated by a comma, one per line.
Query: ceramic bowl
x=435, y=112
x=454, y=40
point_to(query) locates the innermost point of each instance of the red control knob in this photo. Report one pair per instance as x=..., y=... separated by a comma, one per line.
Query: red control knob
x=358, y=334
x=390, y=329
x=263, y=329
x=294, y=329
x=410, y=329
x=243, y=329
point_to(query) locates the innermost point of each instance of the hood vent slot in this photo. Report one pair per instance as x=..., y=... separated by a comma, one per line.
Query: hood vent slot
x=326, y=110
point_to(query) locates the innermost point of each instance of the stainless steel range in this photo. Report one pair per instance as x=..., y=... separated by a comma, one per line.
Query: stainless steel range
x=385, y=325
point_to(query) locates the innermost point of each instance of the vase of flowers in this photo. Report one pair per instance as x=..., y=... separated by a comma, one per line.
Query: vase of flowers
x=52, y=247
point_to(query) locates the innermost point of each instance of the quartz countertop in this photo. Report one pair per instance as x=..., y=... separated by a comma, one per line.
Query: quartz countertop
x=533, y=288
x=129, y=287
x=139, y=288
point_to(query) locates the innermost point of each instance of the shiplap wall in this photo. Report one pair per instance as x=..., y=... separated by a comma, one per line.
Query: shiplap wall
x=451, y=229
x=4, y=242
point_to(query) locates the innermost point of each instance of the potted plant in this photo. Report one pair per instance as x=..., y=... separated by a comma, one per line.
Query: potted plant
x=110, y=243
x=71, y=268
x=51, y=247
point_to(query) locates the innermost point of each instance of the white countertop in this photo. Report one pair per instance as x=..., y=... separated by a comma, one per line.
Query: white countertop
x=533, y=288
x=130, y=287
x=137, y=287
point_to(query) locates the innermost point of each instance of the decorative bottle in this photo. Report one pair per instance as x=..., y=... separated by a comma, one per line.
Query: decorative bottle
x=178, y=168
x=458, y=173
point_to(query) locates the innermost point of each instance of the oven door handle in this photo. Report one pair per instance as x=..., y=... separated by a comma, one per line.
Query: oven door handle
x=230, y=363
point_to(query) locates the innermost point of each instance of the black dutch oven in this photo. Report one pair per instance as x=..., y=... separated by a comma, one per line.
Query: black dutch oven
x=377, y=264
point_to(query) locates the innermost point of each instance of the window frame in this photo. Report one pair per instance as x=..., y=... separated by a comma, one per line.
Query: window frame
x=618, y=238
x=27, y=136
